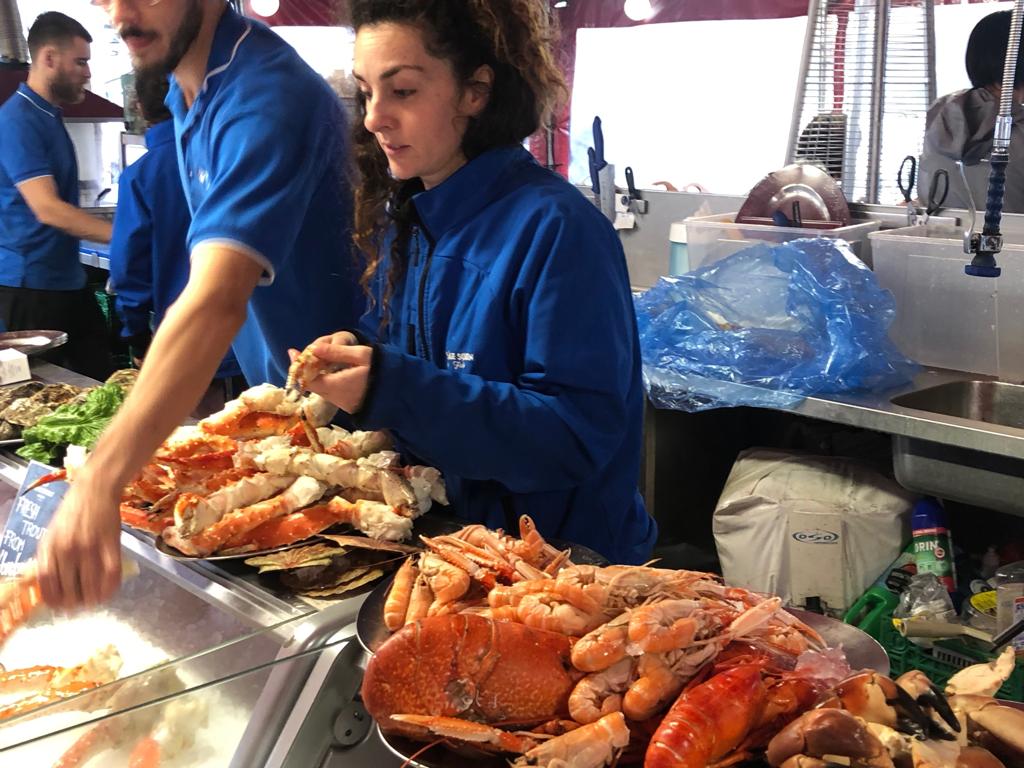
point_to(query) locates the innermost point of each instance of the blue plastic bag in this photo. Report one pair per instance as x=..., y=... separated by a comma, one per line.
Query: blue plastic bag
x=768, y=326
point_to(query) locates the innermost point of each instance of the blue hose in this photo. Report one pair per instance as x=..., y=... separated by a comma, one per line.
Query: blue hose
x=996, y=188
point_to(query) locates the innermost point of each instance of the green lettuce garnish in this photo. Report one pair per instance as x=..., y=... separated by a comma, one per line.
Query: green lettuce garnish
x=77, y=423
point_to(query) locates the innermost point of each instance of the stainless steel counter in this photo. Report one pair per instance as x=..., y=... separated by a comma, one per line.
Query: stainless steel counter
x=876, y=412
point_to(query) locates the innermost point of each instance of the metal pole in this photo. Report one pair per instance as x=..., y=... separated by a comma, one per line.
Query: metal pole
x=929, y=22
x=877, y=98
x=813, y=10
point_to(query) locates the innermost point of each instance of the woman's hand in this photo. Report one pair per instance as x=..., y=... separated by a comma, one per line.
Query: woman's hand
x=345, y=368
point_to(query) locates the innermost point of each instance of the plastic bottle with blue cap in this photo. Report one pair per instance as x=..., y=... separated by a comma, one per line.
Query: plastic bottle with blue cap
x=678, y=257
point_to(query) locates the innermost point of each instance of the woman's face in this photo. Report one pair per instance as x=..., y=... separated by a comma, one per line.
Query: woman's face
x=414, y=106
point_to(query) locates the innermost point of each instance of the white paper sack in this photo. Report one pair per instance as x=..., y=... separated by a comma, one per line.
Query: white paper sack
x=801, y=526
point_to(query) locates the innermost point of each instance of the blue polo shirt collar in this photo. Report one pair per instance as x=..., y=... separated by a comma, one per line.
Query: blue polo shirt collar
x=39, y=102
x=466, y=192
x=232, y=29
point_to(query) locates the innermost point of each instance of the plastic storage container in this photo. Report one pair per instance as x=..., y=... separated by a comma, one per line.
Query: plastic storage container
x=945, y=318
x=1009, y=581
x=711, y=238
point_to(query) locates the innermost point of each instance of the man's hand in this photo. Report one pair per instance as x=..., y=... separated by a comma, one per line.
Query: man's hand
x=79, y=557
x=346, y=388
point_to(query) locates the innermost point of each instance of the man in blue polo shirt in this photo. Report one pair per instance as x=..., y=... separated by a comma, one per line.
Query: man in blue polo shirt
x=148, y=259
x=42, y=283
x=262, y=155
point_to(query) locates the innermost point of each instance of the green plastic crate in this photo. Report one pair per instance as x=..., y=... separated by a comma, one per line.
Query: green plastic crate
x=872, y=614
x=943, y=661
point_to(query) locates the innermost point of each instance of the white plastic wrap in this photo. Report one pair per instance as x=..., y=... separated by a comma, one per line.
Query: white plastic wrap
x=805, y=526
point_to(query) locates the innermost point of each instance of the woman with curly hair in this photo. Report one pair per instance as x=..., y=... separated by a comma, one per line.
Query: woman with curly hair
x=501, y=346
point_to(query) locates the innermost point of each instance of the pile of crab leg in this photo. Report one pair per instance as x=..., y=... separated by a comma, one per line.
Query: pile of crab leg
x=267, y=471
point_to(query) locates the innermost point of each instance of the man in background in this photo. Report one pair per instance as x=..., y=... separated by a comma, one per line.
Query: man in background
x=961, y=126
x=148, y=258
x=42, y=283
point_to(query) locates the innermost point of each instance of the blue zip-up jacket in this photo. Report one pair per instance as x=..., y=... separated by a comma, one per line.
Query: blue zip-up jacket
x=149, y=262
x=510, y=360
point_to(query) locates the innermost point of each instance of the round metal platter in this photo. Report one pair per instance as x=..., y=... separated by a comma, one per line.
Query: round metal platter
x=32, y=342
x=862, y=652
x=164, y=548
x=440, y=755
x=820, y=195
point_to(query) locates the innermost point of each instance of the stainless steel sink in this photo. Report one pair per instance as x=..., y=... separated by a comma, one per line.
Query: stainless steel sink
x=952, y=472
x=993, y=402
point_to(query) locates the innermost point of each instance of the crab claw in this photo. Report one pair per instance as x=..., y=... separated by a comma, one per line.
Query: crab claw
x=822, y=732
x=937, y=701
x=911, y=716
x=977, y=757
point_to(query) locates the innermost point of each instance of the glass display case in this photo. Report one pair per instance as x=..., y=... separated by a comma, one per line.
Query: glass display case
x=221, y=668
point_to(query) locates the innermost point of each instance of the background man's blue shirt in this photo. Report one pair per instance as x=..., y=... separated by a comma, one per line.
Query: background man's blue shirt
x=263, y=160
x=35, y=143
x=148, y=259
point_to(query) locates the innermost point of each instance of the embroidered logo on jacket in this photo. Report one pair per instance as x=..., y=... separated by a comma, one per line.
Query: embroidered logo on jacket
x=458, y=360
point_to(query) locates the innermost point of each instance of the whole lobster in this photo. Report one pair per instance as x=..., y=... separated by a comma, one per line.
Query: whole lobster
x=466, y=666
x=719, y=720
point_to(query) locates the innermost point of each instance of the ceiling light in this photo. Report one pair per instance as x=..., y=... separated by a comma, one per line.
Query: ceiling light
x=265, y=8
x=638, y=10
x=561, y=4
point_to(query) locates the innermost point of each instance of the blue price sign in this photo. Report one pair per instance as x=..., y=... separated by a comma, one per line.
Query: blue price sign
x=30, y=516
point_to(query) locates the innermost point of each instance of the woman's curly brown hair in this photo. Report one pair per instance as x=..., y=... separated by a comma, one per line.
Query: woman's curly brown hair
x=514, y=38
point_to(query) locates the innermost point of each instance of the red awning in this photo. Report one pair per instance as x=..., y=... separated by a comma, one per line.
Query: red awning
x=93, y=108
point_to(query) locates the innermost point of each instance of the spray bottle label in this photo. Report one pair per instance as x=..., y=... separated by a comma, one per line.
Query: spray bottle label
x=932, y=554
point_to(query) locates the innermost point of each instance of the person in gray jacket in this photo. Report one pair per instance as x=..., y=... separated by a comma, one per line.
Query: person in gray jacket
x=960, y=125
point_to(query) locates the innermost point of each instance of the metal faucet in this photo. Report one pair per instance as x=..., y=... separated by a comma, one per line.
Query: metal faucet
x=985, y=245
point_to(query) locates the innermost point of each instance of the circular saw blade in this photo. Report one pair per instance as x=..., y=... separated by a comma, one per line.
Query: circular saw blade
x=820, y=198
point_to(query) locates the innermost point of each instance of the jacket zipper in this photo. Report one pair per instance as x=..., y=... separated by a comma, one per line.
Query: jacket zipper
x=425, y=347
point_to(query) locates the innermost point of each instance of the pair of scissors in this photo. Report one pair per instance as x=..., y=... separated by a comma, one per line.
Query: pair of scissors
x=595, y=154
x=907, y=187
x=937, y=191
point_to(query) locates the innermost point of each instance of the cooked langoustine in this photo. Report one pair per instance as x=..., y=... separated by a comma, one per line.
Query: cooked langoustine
x=644, y=681
x=301, y=492
x=451, y=577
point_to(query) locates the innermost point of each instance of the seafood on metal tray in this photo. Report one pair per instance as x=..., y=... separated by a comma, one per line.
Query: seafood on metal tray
x=915, y=723
x=468, y=667
x=335, y=565
x=379, y=474
x=586, y=746
x=456, y=570
x=46, y=684
x=728, y=717
x=301, y=492
x=376, y=519
x=641, y=661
